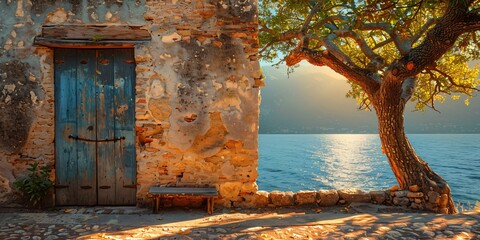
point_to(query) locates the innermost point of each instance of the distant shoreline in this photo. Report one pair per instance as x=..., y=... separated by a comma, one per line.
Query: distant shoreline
x=363, y=133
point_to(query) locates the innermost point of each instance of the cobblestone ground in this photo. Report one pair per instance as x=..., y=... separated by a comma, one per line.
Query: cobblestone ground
x=83, y=231
x=284, y=224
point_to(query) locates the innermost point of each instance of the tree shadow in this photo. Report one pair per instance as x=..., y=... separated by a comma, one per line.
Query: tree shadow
x=296, y=223
x=280, y=223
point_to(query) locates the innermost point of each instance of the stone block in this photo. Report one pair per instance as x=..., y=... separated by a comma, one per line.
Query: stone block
x=443, y=210
x=230, y=190
x=431, y=206
x=402, y=193
x=305, y=197
x=394, y=188
x=281, y=199
x=401, y=201
x=443, y=201
x=416, y=206
x=249, y=187
x=414, y=188
x=259, y=199
x=389, y=196
x=171, y=38
x=354, y=195
x=327, y=198
x=378, y=197
x=433, y=197
x=415, y=194
x=59, y=16
x=238, y=35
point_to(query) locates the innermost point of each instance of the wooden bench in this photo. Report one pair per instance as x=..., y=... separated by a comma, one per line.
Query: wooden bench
x=209, y=193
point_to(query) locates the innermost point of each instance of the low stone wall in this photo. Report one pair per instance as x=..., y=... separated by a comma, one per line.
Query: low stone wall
x=322, y=198
x=411, y=198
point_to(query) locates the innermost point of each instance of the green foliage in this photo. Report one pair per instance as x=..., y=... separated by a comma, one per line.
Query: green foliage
x=467, y=207
x=97, y=38
x=452, y=77
x=36, y=184
x=406, y=19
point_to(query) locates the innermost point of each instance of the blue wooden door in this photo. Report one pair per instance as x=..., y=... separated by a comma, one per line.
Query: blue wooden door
x=94, y=127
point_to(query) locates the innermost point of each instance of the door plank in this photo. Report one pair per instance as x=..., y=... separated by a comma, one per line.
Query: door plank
x=124, y=106
x=105, y=128
x=86, y=125
x=65, y=125
x=94, y=92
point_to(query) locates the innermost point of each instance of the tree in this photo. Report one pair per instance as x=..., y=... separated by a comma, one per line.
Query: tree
x=391, y=52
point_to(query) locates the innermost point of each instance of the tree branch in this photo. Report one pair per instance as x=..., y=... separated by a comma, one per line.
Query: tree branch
x=265, y=29
x=408, y=88
x=419, y=4
x=289, y=35
x=401, y=46
x=314, y=10
x=325, y=58
x=361, y=43
x=472, y=22
x=430, y=102
x=327, y=20
x=283, y=37
x=453, y=83
x=365, y=104
x=382, y=43
x=266, y=46
x=335, y=51
x=422, y=31
x=438, y=40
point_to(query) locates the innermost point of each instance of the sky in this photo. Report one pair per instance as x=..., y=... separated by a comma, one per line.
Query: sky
x=312, y=100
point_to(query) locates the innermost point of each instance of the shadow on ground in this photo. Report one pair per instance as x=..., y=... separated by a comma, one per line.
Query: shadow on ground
x=354, y=221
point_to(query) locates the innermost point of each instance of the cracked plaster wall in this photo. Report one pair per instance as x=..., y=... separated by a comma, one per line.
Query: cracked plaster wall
x=201, y=103
x=197, y=94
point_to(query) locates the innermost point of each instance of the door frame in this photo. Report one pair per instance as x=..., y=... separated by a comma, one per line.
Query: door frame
x=132, y=115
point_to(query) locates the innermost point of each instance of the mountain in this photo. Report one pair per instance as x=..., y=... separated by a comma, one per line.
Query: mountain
x=312, y=100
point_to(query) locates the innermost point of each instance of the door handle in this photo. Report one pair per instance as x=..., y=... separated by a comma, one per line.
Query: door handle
x=95, y=140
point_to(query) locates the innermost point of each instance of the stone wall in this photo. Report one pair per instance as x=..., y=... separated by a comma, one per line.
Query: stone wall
x=200, y=107
x=410, y=198
x=197, y=95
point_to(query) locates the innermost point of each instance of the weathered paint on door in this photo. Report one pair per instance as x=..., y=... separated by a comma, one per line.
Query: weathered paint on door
x=94, y=127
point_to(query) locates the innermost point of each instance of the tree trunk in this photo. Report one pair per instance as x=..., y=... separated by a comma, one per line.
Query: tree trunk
x=408, y=167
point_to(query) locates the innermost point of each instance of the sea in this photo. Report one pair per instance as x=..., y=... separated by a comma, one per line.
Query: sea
x=293, y=162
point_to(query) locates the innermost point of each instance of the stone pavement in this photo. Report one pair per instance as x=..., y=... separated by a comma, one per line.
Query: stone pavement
x=358, y=221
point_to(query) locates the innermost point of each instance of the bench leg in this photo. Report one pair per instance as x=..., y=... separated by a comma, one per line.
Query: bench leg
x=157, y=204
x=210, y=205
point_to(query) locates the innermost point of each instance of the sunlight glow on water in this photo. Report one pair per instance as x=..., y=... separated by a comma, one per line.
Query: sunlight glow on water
x=336, y=161
x=342, y=157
